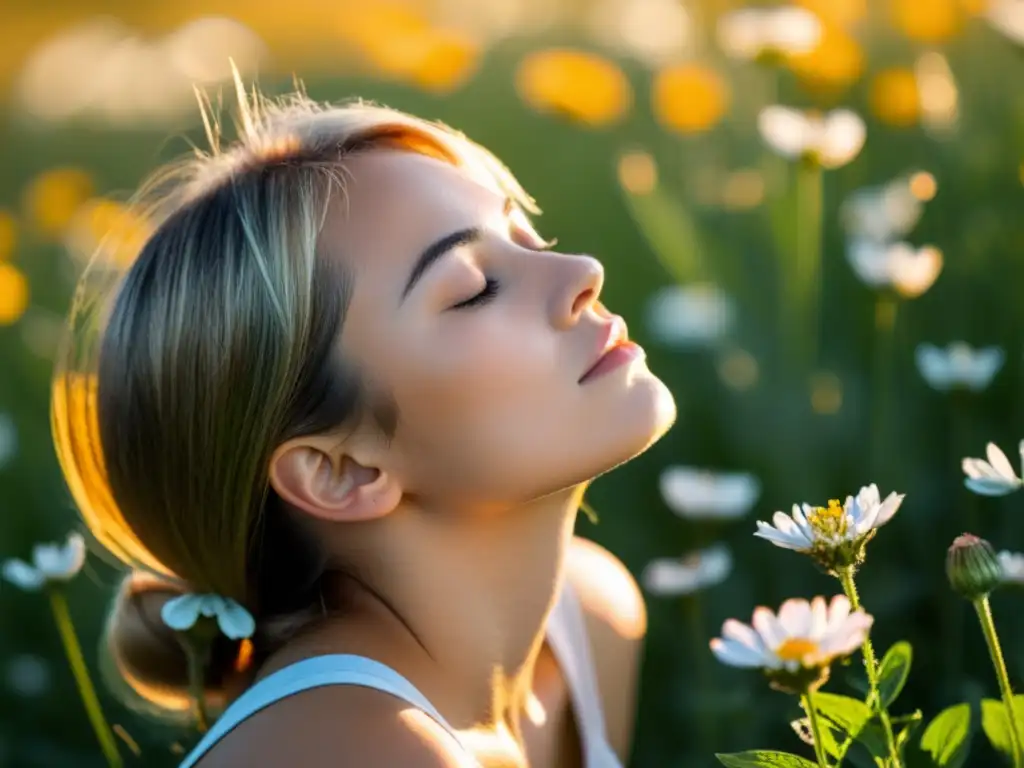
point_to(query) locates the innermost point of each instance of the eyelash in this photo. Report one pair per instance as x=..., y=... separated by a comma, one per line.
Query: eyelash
x=491, y=286
x=490, y=290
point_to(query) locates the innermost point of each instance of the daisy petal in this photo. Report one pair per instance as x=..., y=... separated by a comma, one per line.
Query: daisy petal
x=23, y=575
x=838, y=609
x=181, y=612
x=61, y=562
x=842, y=138
x=999, y=462
x=795, y=542
x=980, y=468
x=795, y=617
x=783, y=522
x=869, y=495
x=849, y=636
x=985, y=486
x=669, y=577
x=889, y=508
x=739, y=632
x=819, y=618
x=783, y=129
x=735, y=654
x=211, y=605
x=768, y=627
x=234, y=621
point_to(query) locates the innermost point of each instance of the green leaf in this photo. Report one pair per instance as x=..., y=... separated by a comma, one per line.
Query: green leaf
x=847, y=714
x=947, y=739
x=851, y=720
x=894, y=671
x=996, y=724
x=760, y=758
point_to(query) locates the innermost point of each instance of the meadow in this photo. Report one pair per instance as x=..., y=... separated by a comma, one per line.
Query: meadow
x=813, y=224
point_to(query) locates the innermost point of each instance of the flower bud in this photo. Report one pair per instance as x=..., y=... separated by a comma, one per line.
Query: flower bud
x=972, y=567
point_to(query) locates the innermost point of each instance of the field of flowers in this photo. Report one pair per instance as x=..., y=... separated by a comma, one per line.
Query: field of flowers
x=812, y=217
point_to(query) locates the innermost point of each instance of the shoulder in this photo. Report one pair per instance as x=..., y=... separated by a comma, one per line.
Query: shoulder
x=616, y=620
x=609, y=594
x=337, y=726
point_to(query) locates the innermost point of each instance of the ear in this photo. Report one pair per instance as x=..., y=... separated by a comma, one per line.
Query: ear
x=316, y=476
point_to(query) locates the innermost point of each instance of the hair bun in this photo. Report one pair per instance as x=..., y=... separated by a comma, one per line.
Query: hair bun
x=146, y=664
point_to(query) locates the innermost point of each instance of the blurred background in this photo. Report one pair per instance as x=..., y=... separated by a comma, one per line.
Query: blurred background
x=796, y=277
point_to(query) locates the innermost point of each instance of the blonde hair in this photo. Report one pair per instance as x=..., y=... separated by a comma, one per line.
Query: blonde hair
x=177, y=379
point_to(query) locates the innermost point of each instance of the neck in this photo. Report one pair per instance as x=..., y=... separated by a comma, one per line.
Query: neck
x=467, y=597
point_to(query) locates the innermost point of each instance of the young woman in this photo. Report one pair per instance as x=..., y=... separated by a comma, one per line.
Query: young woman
x=347, y=386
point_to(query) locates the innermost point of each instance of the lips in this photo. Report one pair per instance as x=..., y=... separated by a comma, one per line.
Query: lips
x=613, y=334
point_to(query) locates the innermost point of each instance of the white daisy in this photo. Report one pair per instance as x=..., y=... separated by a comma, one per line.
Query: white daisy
x=1012, y=564
x=995, y=477
x=1007, y=16
x=835, y=535
x=691, y=573
x=690, y=315
x=830, y=140
x=184, y=611
x=50, y=563
x=697, y=494
x=768, y=34
x=958, y=366
x=882, y=213
x=654, y=32
x=909, y=271
x=803, y=637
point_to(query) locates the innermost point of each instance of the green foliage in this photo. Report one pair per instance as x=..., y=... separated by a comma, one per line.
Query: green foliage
x=775, y=426
x=947, y=739
x=764, y=759
x=852, y=722
x=996, y=724
x=894, y=671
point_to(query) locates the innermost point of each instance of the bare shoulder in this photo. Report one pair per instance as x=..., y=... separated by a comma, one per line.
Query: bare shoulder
x=337, y=726
x=616, y=620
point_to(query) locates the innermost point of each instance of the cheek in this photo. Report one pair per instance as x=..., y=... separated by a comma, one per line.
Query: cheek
x=491, y=365
x=480, y=397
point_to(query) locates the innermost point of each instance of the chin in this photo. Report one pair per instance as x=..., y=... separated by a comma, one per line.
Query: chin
x=637, y=419
x=648, y=412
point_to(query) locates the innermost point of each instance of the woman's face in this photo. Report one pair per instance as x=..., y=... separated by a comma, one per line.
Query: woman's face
x=483, y=347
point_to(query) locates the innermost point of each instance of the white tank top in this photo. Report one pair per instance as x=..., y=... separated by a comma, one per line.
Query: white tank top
x=566, y=634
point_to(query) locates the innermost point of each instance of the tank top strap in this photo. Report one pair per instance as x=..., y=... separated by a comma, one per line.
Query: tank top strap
x=570, y=642
x=331, y=669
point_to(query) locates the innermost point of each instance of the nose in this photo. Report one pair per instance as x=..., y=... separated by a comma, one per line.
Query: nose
x=580, y=287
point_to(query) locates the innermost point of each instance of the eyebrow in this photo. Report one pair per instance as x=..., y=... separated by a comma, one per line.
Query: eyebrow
x=435, y=251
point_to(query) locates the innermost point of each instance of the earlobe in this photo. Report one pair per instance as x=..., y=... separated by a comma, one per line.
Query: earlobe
x=335, y=488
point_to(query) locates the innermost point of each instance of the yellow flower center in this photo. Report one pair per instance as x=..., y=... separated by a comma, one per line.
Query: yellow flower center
x=796, y=649
x=829, y=522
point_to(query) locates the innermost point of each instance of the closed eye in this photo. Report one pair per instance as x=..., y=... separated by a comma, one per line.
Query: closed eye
x=523, y=236
x=489, y=291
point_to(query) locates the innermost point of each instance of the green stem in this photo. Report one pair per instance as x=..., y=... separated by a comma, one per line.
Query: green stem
x=886, y=308
x=871, y=668
x=196, y=683
x=812, y=716
x=73, y=649
x=807, y=280
x=988, y=627
x=705, y=720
